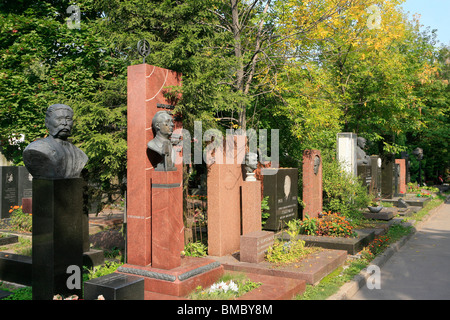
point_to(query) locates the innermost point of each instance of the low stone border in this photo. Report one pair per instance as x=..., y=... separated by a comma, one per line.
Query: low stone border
x=351, y=288
x=10, y=239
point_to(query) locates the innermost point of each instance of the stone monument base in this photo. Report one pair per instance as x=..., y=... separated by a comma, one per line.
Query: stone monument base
x=57, y=237
x=180, y=281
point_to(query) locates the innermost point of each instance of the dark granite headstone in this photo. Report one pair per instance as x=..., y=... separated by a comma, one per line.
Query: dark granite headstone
x=8, y=190
x=25, y=186
x=396, y=180
x=387, y=176
x=375, y=183
x=57, y=242
x=365, y=175
x=282, y=189
x=115, y=286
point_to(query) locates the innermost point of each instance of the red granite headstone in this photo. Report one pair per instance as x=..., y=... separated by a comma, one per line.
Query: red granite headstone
x=224, y=199
x=402, y=176
x=146, y=88
x=154, y=198
x=251, y=206
x=167, y=220
x=312, y=183
x=254, y=246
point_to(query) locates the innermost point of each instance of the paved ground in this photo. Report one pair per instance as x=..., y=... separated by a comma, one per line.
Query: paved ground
x=420, y=269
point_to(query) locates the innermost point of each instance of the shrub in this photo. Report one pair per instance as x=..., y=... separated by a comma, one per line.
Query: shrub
x=341, y=191
x=20, y=221
x=308, y=226
x=195, y=249
x=265, y=210
x=289, y=251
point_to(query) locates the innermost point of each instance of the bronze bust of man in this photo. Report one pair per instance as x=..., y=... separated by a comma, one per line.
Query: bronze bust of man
x=162, y=124
x=54, y=157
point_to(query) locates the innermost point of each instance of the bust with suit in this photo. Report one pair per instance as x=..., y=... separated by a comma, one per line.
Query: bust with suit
x=54, y=157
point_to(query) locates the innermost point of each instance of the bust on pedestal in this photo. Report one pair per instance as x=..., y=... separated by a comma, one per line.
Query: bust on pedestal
x=55, y=165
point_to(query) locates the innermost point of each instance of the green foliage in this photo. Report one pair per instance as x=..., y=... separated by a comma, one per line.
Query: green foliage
x=195, y=249
x=265, y=210
x=308, y=226
x=20, y=294
x=284, y=252
x=342, y=192
x=103, y=270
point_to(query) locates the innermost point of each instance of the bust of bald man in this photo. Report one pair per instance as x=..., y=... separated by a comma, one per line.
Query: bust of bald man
x=54, y=157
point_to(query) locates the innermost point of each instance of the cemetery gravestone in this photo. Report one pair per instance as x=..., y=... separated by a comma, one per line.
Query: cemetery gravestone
x=346, y=151
x=254, y=246
x=155, y=230
x=25, y=185
x=146, y=91
x=405, y=156
x=282, y=189
x=388, y=178
x=375, y=177
x=224, y=197
x=58, y=208
x=401, y=163
x=57, y=240
x=312, y=183
x=8, y=190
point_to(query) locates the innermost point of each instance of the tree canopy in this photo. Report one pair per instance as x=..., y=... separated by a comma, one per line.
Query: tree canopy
x=306, y=67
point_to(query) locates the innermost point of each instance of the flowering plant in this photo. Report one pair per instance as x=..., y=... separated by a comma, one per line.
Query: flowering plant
x=331, y=224
x=378, y=245
x=20, y=221
x=223, y=287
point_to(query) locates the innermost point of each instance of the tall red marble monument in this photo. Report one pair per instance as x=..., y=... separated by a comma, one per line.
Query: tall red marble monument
x=155, y=229
x=312, y=183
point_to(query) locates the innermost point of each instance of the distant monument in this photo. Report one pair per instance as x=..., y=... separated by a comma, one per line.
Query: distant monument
x=54, y=157
x=361, y=158
x=251, y=164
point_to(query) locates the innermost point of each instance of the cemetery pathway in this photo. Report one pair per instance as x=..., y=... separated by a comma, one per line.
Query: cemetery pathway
x=419, y=270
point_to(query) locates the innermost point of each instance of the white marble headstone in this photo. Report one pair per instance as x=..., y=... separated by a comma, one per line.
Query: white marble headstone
x=346, y=151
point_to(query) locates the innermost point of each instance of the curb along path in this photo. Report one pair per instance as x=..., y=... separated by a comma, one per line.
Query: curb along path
x=415, y=267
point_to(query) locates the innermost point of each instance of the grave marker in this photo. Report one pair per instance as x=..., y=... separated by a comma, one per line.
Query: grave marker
x=282, y=189
x=8, y=190
x=312, y=183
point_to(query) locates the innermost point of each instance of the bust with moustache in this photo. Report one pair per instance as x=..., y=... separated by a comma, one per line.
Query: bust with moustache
x=54, y=157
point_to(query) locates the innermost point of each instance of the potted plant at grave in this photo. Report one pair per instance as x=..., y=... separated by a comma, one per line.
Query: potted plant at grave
x=375, y=206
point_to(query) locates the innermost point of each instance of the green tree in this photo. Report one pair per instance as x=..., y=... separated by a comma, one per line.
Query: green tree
x=44, y=62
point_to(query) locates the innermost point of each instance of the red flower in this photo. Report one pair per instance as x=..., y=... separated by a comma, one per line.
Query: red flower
x=14, y=31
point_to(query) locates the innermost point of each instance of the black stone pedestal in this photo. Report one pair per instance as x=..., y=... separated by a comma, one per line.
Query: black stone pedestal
x=115, y=286
x=57, y=238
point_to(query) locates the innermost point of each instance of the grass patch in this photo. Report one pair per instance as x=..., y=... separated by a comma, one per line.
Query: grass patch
x=22, y=247
x=18, y=294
